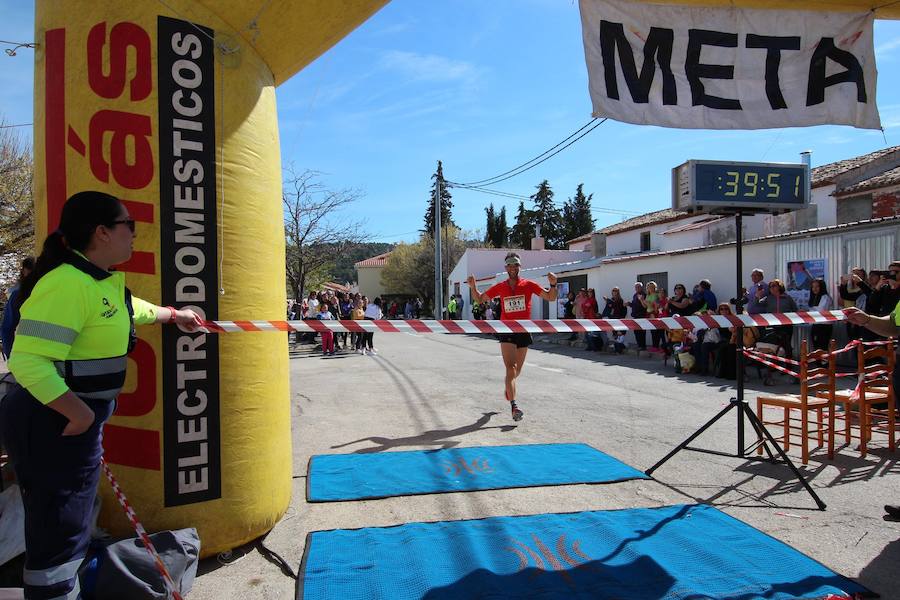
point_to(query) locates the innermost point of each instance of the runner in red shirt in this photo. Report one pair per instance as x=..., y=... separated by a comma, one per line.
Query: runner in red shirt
x=515, y=303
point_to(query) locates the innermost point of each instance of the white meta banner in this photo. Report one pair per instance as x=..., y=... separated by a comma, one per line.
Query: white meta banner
x=729, y=68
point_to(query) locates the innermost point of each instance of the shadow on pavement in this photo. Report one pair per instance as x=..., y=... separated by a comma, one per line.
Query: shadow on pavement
x=441, y=437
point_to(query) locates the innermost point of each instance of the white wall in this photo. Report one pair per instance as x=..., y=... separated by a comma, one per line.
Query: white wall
x=681, y=239
x=584, y=246
x=370, y=281
x=827, y=211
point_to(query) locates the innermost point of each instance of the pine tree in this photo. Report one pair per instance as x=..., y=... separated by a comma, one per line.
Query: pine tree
x=501, y=230
x=523, y=230
x=490, y=230
x=576, y=216
x=548, y=217
x=446, y=204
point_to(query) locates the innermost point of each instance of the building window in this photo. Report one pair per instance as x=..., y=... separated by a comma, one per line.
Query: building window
x=645, y=241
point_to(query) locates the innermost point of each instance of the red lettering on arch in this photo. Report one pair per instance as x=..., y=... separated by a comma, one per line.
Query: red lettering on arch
x=122, y=37
x=142, y=400
x=131, y=447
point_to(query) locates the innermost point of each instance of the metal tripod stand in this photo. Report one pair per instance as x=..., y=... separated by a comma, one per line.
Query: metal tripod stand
x=740, y=404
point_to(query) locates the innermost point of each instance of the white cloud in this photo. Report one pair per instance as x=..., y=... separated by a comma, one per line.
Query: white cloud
x=428, y=67
x=885, y=51
x=395, y=28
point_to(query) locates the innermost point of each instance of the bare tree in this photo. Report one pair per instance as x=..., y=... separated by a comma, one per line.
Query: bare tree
x=16, y=203
x=316, y=229
x=410, y=269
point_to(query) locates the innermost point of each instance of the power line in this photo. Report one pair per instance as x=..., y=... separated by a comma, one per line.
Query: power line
x=579, y=130
x=502, y=194
x=484, y=190
x=16, y=46
x=522, y=168
x=19, y=125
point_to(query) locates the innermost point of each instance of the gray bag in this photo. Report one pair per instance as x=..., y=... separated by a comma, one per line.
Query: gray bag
x=126, y=570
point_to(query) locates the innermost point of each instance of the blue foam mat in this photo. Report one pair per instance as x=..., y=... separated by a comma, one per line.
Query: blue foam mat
x=334, y=477
x=674, y=552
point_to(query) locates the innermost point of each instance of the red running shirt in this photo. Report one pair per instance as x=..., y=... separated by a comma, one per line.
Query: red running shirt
x=515, y=303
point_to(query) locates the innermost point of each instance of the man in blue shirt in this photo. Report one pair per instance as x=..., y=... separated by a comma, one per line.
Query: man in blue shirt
x=757, y=290
x=704, y=299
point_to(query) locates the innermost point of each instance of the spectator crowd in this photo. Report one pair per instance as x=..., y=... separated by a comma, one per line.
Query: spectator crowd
x=713, y=351
x=703, y=351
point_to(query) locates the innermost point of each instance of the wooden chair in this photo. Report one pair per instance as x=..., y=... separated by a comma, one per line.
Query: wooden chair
x=875, y=403
x=814, y=379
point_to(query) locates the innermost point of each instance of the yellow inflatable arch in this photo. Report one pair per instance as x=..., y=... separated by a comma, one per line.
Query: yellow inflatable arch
x=170, y=105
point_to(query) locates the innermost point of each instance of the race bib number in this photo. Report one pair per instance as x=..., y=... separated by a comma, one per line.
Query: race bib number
x=513, y=304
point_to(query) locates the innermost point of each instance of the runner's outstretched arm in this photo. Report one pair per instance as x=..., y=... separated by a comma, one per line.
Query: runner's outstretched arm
x=550, y=295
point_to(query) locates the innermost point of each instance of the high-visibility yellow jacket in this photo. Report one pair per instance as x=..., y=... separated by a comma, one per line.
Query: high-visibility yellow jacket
x=74, y=333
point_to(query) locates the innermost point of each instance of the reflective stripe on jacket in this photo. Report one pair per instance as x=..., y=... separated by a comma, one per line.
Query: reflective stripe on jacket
x=74, y=333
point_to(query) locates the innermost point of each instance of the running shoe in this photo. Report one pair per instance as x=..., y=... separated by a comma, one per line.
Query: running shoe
x=517, y=413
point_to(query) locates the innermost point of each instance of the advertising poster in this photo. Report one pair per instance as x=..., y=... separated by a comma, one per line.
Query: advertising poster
x=800, y=275
x=562, y=294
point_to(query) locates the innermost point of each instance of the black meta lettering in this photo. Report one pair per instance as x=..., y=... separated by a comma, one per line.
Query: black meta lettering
x=818, y=80
x=657, y=50
x=774, y=46
x=695, y=71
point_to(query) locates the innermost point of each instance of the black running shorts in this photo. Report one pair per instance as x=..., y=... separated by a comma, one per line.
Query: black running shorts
x=521, y=340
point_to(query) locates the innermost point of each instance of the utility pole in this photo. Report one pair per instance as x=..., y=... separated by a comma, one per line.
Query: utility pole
x=438, y=264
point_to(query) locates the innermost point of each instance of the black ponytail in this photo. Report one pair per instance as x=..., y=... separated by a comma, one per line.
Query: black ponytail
x=81, y=215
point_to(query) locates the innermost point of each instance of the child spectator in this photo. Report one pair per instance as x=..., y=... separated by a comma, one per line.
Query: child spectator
x=619, y=342
x=327, y=336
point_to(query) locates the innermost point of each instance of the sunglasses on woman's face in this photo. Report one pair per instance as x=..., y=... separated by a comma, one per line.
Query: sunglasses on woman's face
x=128, y=222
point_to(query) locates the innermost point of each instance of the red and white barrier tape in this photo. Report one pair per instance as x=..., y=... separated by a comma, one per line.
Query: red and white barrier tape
x=757, y=357
x=531, y=326
x=782, y=359
x=171, y=588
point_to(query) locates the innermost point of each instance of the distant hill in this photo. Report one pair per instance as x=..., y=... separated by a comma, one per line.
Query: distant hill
x=343, y=270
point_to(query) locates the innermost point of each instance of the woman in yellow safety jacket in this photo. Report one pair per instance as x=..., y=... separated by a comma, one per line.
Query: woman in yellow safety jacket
x=76, y=327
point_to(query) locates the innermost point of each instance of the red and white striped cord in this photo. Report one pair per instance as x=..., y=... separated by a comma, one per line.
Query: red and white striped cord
x=171, y=587
x=758, y=358
x=531, y=326
x=769, y=360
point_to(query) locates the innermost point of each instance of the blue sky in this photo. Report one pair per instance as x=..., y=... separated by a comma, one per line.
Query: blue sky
x=485, y=86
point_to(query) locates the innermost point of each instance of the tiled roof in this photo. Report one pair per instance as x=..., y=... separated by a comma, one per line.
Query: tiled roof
x=788, y=235
x=375, y=261
x=886, y=179
x=584, y=238
x=825, y=174
x=653, y=218
x=695, y=225
x=337, y=287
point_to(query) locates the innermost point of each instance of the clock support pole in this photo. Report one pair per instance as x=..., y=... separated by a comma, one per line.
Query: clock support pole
x=740, y=404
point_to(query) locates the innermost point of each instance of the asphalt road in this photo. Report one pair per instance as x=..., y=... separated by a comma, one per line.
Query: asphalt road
x=441, y=391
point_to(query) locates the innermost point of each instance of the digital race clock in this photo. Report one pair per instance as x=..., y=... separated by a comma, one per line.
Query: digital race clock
x=721, y=186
